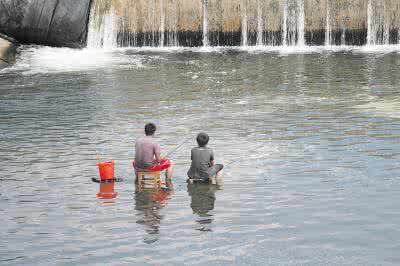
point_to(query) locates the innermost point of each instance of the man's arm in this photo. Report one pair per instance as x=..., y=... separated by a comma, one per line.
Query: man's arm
x=157, y=152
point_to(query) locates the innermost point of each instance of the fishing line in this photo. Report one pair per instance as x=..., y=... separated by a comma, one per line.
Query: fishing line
x=243, y=157
x=177, y=148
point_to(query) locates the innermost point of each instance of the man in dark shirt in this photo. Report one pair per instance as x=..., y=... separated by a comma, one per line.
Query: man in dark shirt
x=147, y=154
x=203, y=166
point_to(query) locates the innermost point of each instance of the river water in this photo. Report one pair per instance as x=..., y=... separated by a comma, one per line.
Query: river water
x=316, y=133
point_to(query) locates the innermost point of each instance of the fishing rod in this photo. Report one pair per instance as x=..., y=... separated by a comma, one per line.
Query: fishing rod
x=168, y=154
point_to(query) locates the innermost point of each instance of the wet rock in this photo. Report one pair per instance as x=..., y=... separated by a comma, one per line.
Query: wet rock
x=8, y=48
x=46, y=22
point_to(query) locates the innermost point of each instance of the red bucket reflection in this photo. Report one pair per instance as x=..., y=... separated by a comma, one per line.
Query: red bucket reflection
x=107, y=191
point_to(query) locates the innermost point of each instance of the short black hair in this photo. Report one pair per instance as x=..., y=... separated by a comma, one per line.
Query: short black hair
x=149, y=129
x=202, y=139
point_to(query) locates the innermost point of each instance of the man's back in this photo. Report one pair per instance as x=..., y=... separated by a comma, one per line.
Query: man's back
x=145, y=150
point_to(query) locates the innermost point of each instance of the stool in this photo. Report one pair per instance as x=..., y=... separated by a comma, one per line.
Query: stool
x=154, y=176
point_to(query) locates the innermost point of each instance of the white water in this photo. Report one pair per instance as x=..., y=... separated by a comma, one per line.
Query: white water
x=173, y=18
x=36, y=59
x=328, y=31
x=244, y=26
x=378, y=24
x=370, y=39
x=102, y=34
x=162, y=23
x=285, y=23
x=260, y=26
x=300, y=23
x=109, y=31
x=205, y=24
x=293, y=23
x=343, y=37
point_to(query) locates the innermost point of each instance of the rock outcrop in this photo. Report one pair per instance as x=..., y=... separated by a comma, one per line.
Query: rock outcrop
x=46, y=22
x=8, y=48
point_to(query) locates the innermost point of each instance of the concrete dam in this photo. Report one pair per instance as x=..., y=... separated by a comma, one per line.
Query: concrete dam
x=171, y=23
x=243, y=22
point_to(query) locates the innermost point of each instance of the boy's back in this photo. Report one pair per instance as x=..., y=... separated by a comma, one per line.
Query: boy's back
x=203, y=166
x=201, y=162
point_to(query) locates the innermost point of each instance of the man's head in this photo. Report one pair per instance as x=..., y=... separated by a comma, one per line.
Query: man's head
x=150, y=129
x=202, y=139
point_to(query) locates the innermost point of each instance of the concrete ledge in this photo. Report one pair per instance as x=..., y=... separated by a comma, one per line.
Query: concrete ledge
x=8, y=47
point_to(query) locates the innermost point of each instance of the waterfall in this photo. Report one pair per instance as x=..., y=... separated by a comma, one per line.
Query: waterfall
x=370, y=30
x=386, y=34
x=173, y=31
x=398, y=36
x=260, y=29
x=162, y=24
x=205, y=23
x=102, y=28
x=150, y=23
x=343, y=37
x=300, y=23
x=386, y=27
x=378, y=24
x=244, y=23
x=328, y=31
x=293, y=23
x=285, y=23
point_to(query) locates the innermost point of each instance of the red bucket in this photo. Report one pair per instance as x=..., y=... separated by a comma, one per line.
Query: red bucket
x=106, y=170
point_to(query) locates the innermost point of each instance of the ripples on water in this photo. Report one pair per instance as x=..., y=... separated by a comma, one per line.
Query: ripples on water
x=317, y=131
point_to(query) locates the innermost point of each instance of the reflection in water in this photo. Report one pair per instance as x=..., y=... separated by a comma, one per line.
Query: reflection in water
x=202, y=202
x=107, y=191
x=149, y=200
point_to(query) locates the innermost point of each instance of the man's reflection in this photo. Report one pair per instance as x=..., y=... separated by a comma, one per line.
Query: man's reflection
x=202, y=202
x=149, y=200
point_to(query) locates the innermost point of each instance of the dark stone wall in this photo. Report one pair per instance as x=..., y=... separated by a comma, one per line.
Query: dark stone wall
x=46, y=22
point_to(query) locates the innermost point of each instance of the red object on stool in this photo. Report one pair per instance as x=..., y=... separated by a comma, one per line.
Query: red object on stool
x=164, y=164
x=106, y=170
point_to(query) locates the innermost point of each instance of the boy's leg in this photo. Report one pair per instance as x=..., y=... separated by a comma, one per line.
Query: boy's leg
x=216, y=171
x=170, y=170
x=136, y=171
x=219, y=174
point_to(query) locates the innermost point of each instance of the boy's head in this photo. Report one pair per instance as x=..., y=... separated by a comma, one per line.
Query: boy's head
x=202, y=139
x=150, y=129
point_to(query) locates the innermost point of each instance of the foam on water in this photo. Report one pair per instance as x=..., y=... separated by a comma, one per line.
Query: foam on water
x=382, y=108
x=269, y=49
x=40, y=59
x=36, y=59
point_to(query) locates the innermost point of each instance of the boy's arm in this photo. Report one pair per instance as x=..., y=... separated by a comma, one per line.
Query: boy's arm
x=157, y=153
x=212, y=162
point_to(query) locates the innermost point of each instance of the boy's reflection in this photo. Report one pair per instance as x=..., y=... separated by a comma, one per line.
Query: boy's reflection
x=202, y=202
x=148, y=202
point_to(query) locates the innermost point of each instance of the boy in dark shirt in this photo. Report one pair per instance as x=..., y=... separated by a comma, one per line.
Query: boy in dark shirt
x=203, y=167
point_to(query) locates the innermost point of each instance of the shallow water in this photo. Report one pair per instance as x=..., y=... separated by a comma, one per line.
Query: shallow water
x=316, y=132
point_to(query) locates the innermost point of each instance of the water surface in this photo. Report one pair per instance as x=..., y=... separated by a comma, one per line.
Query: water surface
x=316, y=133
